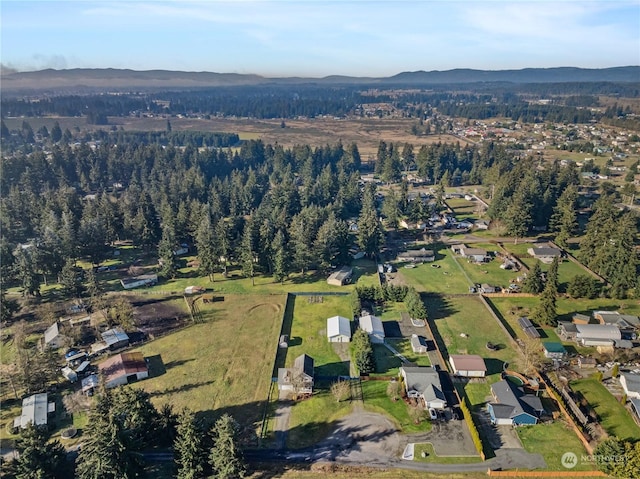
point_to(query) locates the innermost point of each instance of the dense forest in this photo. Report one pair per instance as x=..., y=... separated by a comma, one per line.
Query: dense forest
x=267, y=208
x=566, y=102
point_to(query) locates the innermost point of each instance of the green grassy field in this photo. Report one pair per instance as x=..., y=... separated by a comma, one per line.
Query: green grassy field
x=467, y=315
x=222, y=365
x=309, y=333
x=552, y=441
x=463, y=209
x=377, y=400
x=614, y=418
x=428, y=278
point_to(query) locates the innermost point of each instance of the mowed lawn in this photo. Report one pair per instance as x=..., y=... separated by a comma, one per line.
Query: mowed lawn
x=309, y=333
x=466, y=315
x=221, y=365
x=614, y=418
x=441, y=276
x=552, y=441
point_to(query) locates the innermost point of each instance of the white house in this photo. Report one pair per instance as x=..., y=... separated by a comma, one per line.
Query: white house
x=34, y=411
x=424, y=383
x=299, y=378
x=468, y=365
x=373, y=326
x=138, y=281
x=338, y=329
x=631, y=384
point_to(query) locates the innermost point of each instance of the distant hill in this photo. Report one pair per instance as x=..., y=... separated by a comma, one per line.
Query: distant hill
x=82, y=79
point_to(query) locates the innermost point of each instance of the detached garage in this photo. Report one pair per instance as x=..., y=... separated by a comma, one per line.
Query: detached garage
x=338, y=329
x=373, y=326
x=471, y=365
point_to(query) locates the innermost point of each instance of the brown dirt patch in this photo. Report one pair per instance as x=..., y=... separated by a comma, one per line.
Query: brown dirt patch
x=156, y=317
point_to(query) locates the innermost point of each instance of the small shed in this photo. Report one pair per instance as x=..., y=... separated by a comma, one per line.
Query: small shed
x=115, y=338
x=89, y=383
x=341, y=276
x=587, y=363
x=52, y=337
x=338, y=329
x=418, y=344
x=554, y=350
x=69, y=374
x=373, y=325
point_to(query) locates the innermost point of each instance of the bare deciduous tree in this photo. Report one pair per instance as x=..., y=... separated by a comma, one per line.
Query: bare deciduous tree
x=341, y=390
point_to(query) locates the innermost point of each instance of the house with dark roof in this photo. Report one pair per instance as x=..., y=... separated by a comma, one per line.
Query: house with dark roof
x=545, y=253
x=630, y=382
x=123, y=368
x=628, y=324
x=417, y=256
x=554, y=350
x=423, y=383
x=299, y=378
x=512, y=406
x=468, y=365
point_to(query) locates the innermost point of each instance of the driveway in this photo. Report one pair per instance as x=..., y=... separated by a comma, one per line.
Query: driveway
x=362, y=437
x=449, y=438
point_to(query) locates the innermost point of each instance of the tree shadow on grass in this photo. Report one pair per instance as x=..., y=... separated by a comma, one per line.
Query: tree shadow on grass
x=494, y=366
x=180, y=389
x=438, y=307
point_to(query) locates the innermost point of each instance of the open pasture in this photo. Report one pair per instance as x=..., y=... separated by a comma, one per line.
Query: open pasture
x=221, y=365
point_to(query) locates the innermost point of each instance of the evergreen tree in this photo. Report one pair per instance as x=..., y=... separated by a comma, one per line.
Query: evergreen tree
x=248, y=253
x=206, y=246
x=414, y=304
x=565, y=219
x=188, y=447
x=280, y=257
x=225, y=457
x=362, y=352
x=26, y=273
x=56, y=132
x=370, y=236
x=533, y=282
x=390, y=209
x=223, y=243
x=71, y=280
x=38, y=458
x=545, y=312
x=166, y=248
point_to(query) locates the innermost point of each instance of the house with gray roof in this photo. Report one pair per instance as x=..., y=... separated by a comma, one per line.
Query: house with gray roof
x=597, y=334
x=423, y=383
x=512, y=406
x=53, y=338
x=34, y=410
x=545, y=253
x=630, y=382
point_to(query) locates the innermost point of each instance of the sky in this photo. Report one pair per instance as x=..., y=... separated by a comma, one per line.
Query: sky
x=316, y=38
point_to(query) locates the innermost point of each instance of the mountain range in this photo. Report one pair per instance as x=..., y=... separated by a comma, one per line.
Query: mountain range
x=122, y=79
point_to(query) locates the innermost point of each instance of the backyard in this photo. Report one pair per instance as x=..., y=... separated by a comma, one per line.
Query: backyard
x=441, y=276
x=309, y=333
x=466, y=326
x=552, y=441
x=614, y=418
